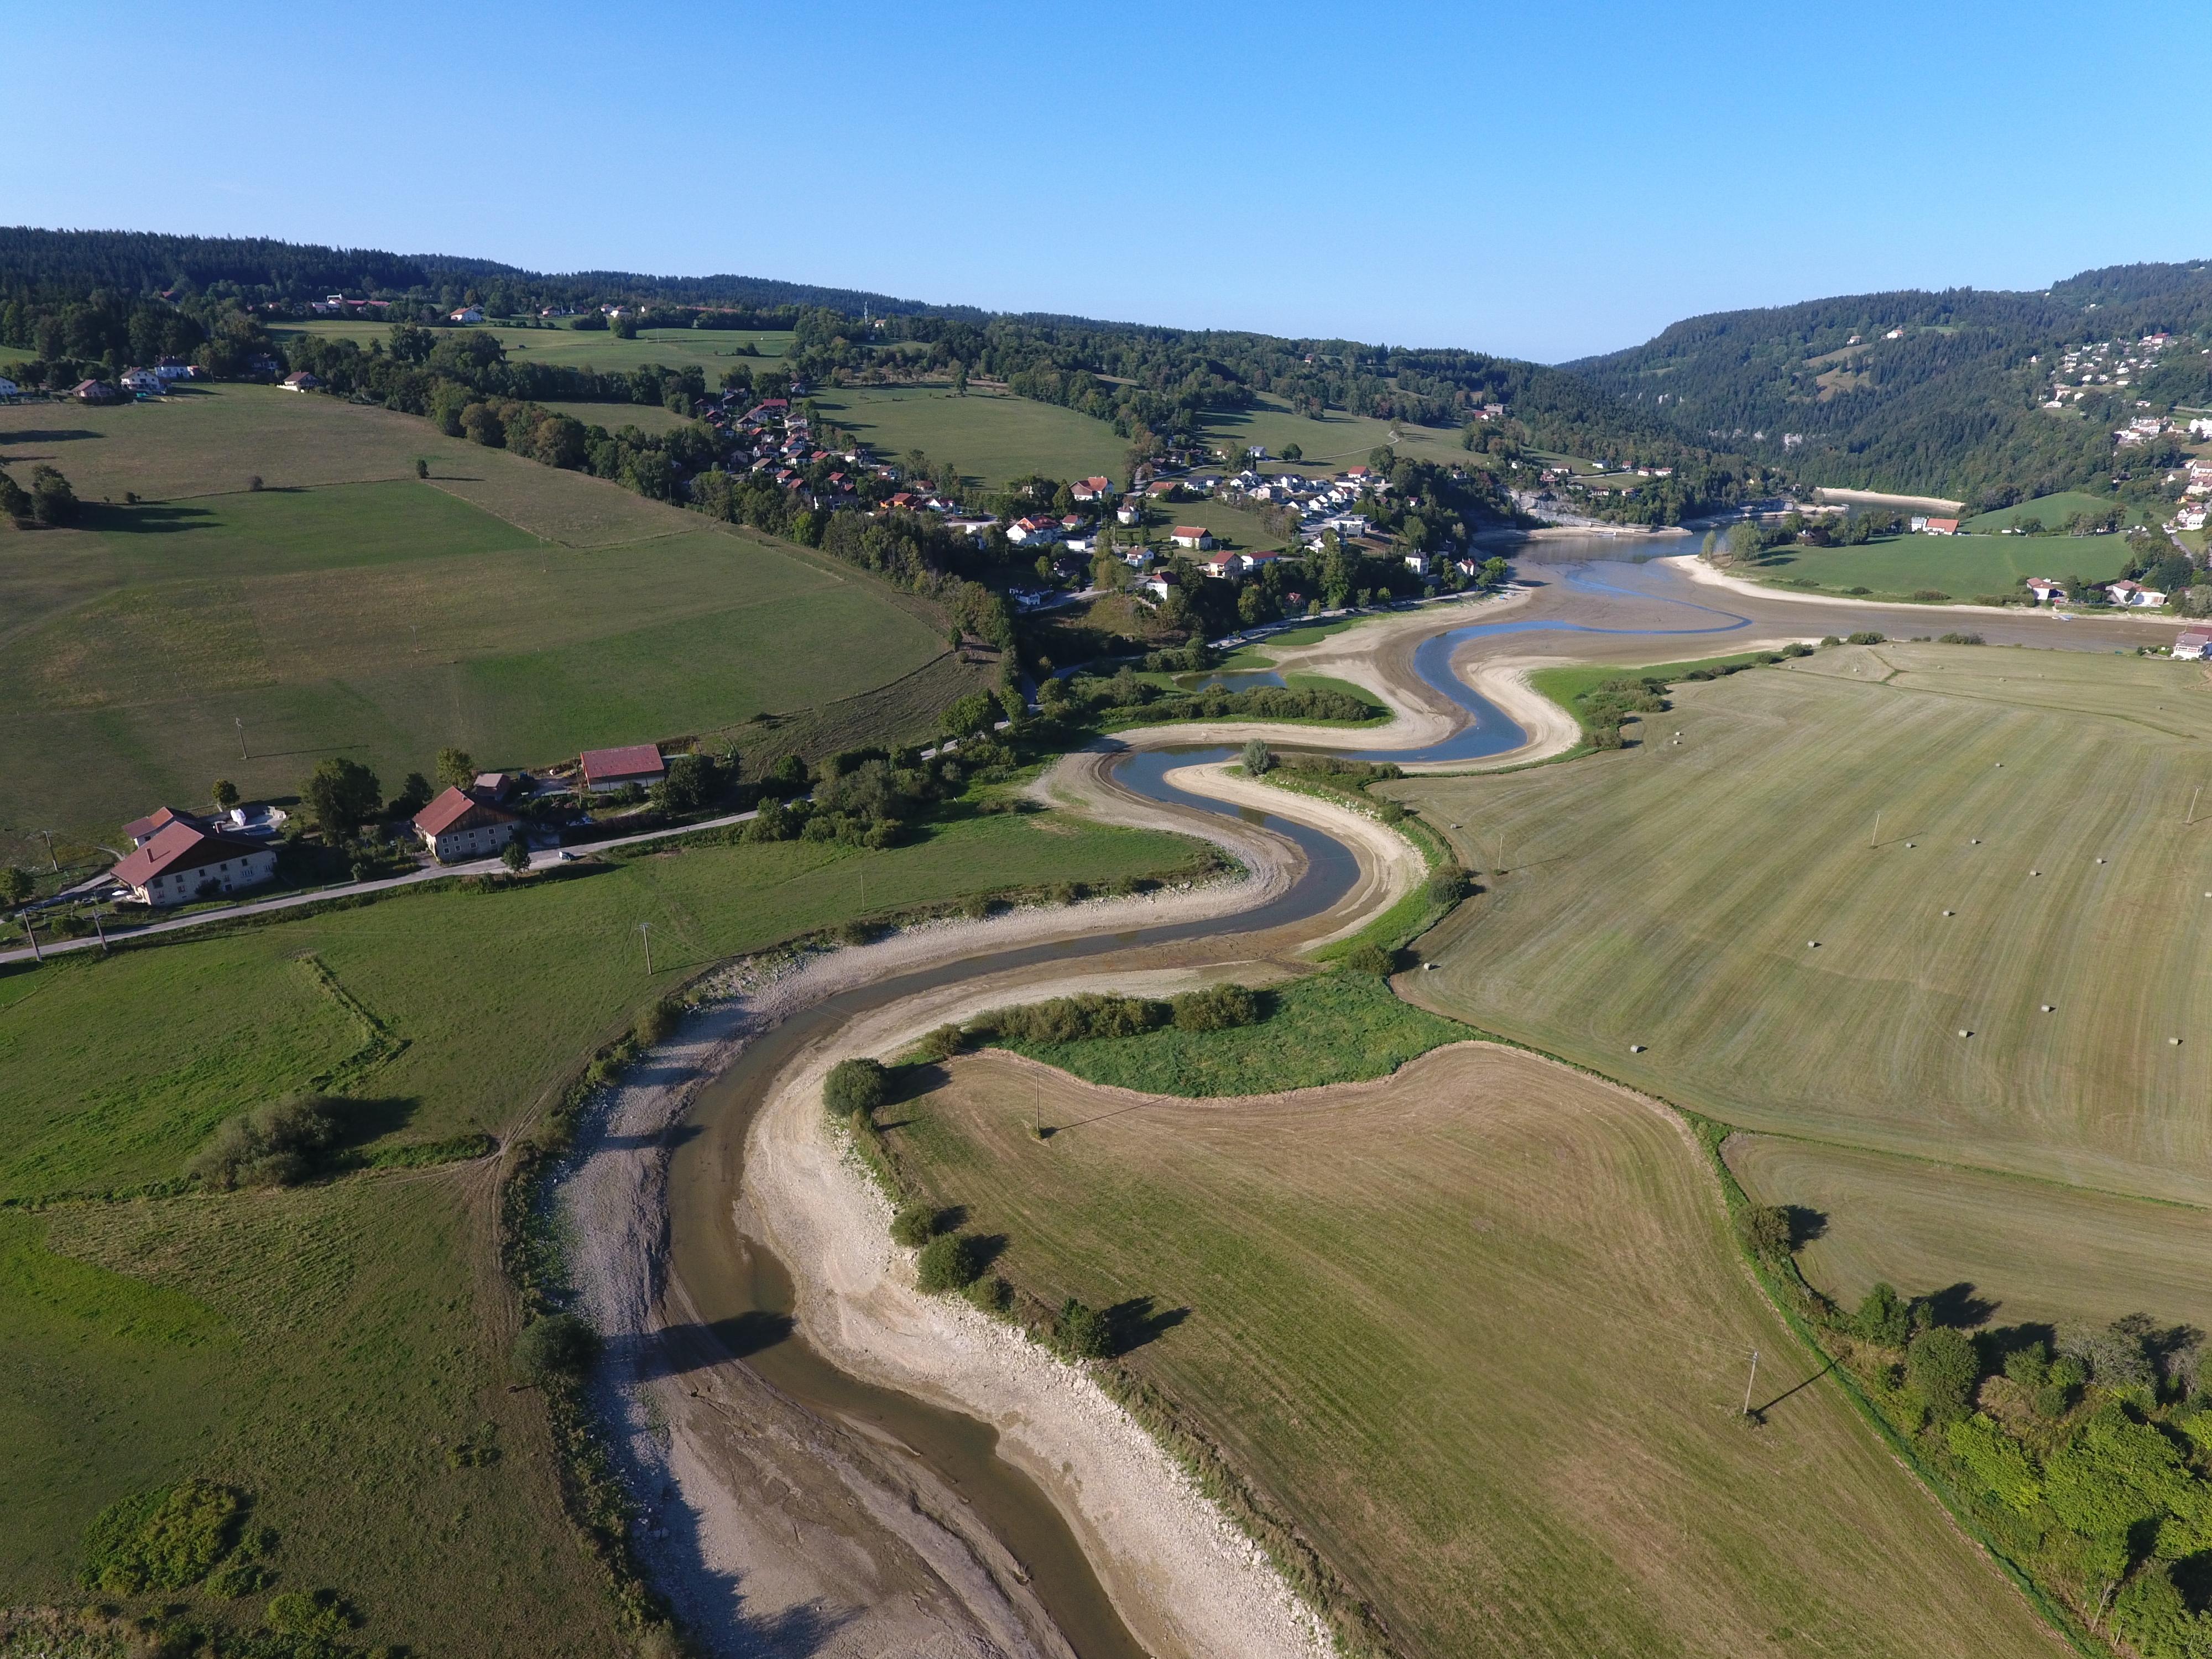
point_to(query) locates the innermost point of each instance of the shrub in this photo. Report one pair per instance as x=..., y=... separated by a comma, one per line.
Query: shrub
x=1447, y=884
x=1217, y=1008
x=914, y=1225
x=1073, y=1019
x=943, y=1043
x=1930, y=594
x=949, y=1262
x=991, y=1295
x=1765, y=1228
x=1859, y=591
x=1371, y=959
x=1942, y=1367
x=1796, y=648
x=656, y=1024
x=320, y=1617
x=279, y=1145
x=1083, y=1332
x=1959, y=639
x=1830, y=640
x=1258, y=759
x=165, y=1539
x=515, y=856
x=1866, y=637
x=1883, y=1317
x=854, y=1085
x=558, y=1346
x=856, y=932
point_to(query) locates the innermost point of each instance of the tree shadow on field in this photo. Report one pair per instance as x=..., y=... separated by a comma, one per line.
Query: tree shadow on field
x=364, y=1120
x=674, y=1135
x=45, y=434
x=679, y=1350
x=1140, y=1320
x=146, y=519
x=1806, y=1225
x=1959, y=1307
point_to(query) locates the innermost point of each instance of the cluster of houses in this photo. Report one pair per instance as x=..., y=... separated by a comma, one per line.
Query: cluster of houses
x=2083, y=371
x=2128, y=594
x=132, y=383
x=180, y=857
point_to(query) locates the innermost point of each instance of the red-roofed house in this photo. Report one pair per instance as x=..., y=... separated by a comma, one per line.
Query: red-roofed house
x=1192, y=535
x=616, y=769
x=158, y=820
x=2046, y=590
x=183, y=862
x=1942, y=527
x=463, y=824
x=2192, y=643
x=1088, y=489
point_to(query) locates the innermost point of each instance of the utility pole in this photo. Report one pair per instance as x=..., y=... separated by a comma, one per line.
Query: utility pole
x=645, y=931
x=1874, y=840
x=240, y=724
x=99, y=930
x=51, y=859
x=1751, y=1382
x=31, y=933
x=2192, y=804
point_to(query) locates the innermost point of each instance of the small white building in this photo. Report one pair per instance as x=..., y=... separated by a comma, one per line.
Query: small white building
x=1418, y=563
x=2046, y=592
x=1128, y=513
x=2134, y=595
x=8, y=390
x=142, y=382
x=474, y=315
x=2191, y=643
x=463, y=824
x=182, y=862
x=1193, y=536
x=301, y=381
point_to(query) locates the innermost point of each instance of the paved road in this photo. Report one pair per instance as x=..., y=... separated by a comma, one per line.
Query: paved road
x=545, y=858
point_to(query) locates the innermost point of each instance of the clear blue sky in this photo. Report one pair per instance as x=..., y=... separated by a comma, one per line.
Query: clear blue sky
x=1545, y=180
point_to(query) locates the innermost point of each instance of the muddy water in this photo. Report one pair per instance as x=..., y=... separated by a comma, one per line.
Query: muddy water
x=742, y=1295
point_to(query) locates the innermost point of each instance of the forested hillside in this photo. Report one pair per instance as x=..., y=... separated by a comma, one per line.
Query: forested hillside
x=1943, y=393
x=79, y=302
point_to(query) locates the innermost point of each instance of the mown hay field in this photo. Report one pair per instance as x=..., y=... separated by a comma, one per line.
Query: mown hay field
x=990, y=436
x=2025, y=1251
x=357, y=611
x=1332, y=443
x=711, y=349
x=1716, y=902
x=1478, y=1331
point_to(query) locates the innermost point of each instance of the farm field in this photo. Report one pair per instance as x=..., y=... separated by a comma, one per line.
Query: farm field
x=2053, y=510
x=1717, y=902
x=1964, y=567
x=992, y=437
x=1479, y=1332
x=1237, y=529
x=333, y=1348
x=493, y=995
x=2030, y=1250
x=1330, y=444
x=645, y=417
x=712, y=349
x=385, y=619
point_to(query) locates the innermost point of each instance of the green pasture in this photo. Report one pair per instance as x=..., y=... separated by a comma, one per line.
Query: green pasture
x=2053, y=510
x=712, y=349
x=991, y=437
x=1341, y=1027
x=649, y=418
x=1964, y=567
x=1719, y=921
x=521, y=613
x=326, y=1350
x=125, y=1064
x=1236, y=529
x=1330, y=444
x=1477, y=1333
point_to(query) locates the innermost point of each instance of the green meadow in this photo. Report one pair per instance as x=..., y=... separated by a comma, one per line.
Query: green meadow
x=711, y=349
x=992, y=437
x=1964, y=567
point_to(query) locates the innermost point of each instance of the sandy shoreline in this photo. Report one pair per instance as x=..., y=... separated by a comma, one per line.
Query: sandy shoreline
x=1697, y=570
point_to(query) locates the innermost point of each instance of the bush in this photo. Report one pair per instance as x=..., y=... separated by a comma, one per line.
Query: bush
x=1447, y=884
x=1766, y=1229
x=854, y=1085
x=279, y=1145
x=914, y=1225
x=991, y=1295
x=1883, y=1317
x=1371, y=959
x=1796, y=648
x=1960, y=639
x=1083, y=1332
x=167, y=1539
x=656, y=1024
x=1930, y=594
x=320, y=1617
x=1073, y=1019
x=1942, y=1367
x=943, y=1043
x=1866, y=637
x=949, y=1262
x=557, y=1346
x=1217, y=1008
x=1258, y=759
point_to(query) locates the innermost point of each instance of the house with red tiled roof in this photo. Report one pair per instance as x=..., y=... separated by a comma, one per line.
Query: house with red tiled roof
x=182, y=862
x=1193, y=535
x=616, y=768
x=1089, y=489
x=144, y=830
x=463, y=824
